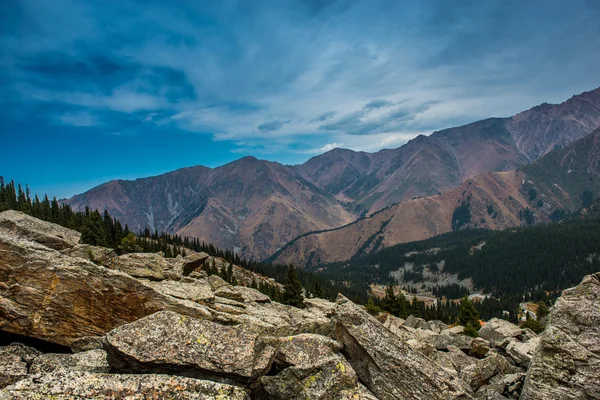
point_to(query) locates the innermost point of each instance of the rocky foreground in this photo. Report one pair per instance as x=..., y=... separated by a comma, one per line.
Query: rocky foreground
x=139, y=326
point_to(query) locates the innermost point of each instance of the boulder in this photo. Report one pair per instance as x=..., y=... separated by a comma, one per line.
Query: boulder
x=275, y=319
x=359, y=393
x=167, y=342
x=57, y=298
x=67, y=385
x=499, y=332
x=566, y=362
x=15, y=360
x=455, y=330
x=321, y=379
x=435, y=326
x=509, y=385
x=478, y=374
x=415, y=322
x=150, y=266
x=453, y=360
x=45, y=233
x=479, y=348
x=304, y=349
x=309, y=368
x=88, y=361
x=196, y=290
x=252, y=295
x=324, y=307
x=395, y=325
x=389, y=368
x=443, y=340
x=87, y=343
x=97, y=255
x=192, y=263
x=521, y=353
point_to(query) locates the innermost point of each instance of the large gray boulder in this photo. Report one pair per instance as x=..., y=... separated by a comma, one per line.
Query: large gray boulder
x=47, y=234
x=167, y=342
x=479, y=373
x=69, y=385
x=15, y=360
x=521, y=353
x=196, y=290
x=499, y=332
x=389, y=368
x=150, y=266
x=54, y=297
x=310, y=368
x=566, y=363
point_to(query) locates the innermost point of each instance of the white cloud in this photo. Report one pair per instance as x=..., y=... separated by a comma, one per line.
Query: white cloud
x=81, y=118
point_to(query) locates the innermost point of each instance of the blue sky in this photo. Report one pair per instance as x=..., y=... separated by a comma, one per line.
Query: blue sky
x=97, y=90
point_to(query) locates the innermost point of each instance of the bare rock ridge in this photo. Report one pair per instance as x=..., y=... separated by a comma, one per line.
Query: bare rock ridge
x=557, y=182
x=255, y=207
x=156, y=340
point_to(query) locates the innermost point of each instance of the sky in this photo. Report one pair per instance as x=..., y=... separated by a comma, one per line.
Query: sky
x=97, y=90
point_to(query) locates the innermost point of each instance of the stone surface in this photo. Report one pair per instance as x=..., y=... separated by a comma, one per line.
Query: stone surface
x=395, y=325
x=54, y=297
x=415, y=322
x=45, y=233
x=142, y=265
x=388, y=367
x=499, y=332
x=324, y=307
x=69, y=385
x=522, y=353
x=196, y=290
x=483, y=370
x=310, y=367
x=87, y=343
x=87, y=361
x=277, y=319
x=168, y=342
x=444, y=339
x=14, y=362
x=97, y=255
x=566, y=363
x=322, y=379
x=479, y=348
x=193, y=262
x=252, y=295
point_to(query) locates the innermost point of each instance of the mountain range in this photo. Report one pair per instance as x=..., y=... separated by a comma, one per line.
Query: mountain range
x=487, y=171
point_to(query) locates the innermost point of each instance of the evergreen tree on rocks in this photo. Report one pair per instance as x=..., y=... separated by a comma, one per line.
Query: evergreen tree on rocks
x=467, y=314
x=293, y=289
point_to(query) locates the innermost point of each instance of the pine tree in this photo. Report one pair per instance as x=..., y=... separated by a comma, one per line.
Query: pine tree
x=372, y=308
x=467, y=314
x=293, y=289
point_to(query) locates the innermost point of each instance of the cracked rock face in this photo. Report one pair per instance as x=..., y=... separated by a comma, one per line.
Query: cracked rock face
x=389, y=368
x=68, y=385
x=566, y=362
x=173, y=343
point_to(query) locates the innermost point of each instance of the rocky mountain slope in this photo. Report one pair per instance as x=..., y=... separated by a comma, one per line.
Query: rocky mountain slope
x=255, y=207
x=561, y=181
x=141, y=327
x=250, y=205
x=429, y=164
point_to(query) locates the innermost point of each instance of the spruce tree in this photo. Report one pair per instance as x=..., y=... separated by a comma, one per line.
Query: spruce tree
x=293, y=289
x=467, y=314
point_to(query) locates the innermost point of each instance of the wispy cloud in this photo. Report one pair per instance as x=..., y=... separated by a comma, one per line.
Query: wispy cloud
x=80, y=118
x=266, y=76
x=272, y=125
